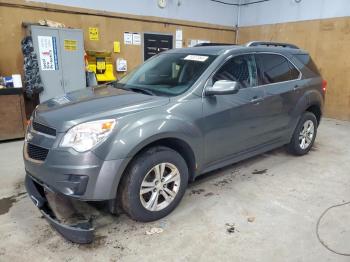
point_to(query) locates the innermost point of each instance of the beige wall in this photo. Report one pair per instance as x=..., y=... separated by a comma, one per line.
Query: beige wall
x=111, y=27
x=328, y=42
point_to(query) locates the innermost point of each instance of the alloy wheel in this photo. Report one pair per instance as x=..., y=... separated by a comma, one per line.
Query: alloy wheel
x=306, y=134
x=160, y=186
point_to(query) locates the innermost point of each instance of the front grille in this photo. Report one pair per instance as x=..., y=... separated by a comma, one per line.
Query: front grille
x=44, y=129
x=37, y=152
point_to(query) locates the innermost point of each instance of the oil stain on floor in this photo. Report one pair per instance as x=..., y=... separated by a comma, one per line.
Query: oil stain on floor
x=7, y=202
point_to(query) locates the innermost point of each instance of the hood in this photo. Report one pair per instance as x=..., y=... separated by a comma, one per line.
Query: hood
x=90, y=104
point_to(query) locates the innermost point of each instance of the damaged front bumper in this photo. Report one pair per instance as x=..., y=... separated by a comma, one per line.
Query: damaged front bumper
x=81, y=233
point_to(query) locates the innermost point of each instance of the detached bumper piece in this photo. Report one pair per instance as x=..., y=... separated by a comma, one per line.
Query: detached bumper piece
x=81, y=233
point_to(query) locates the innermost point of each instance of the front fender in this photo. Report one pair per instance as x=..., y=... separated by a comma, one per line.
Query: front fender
x=137, y=133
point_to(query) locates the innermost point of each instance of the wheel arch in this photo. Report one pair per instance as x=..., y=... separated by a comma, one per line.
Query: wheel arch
x=175, y=143
x=316, y=110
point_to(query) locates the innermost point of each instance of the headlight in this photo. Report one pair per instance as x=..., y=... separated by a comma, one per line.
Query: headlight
x=85, y=136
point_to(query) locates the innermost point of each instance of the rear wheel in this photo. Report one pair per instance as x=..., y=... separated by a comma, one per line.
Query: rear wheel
x=154, y=184
x=304, y=135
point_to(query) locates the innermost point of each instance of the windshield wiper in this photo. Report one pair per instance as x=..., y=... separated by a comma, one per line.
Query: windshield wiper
x=135, y=89
x=142, y=90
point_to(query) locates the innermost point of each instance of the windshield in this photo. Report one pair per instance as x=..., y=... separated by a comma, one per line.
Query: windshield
x=167, y=74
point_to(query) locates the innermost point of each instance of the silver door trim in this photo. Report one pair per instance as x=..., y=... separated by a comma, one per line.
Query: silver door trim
x=254, y=53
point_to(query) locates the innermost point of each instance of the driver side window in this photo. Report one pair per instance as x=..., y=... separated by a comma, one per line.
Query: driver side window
x=241, y=69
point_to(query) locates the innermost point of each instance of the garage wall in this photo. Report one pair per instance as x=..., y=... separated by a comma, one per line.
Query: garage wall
x=111, y=27
x=327, y=40
x=205, y=11
x=281, y=11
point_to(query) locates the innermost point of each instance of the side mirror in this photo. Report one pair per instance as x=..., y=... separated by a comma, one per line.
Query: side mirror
x=223, y=87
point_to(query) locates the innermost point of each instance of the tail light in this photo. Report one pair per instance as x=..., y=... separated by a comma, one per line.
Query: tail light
x=324, y=86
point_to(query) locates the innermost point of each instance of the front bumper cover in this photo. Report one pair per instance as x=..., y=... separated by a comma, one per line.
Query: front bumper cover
x=81, y=233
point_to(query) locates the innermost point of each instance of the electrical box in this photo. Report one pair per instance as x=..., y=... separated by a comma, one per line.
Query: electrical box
x=60, y=53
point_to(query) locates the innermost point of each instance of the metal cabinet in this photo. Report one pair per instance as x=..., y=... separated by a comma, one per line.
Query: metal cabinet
x=60, y=54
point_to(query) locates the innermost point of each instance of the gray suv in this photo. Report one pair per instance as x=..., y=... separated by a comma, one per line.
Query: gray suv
x=138, y=142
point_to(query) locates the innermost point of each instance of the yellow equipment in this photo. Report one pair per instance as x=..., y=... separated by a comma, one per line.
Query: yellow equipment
x=101, y=64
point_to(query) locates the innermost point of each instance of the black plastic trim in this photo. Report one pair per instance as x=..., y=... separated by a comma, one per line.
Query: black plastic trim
x=81, y=233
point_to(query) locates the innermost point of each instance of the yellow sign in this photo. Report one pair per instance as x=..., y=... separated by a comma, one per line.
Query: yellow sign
x=116, y=47
x=101, y=65
x=93, y=33
x=70, y=45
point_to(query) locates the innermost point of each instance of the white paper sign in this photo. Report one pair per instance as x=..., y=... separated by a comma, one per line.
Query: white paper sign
x=128, y=38
x=178, y=44
x=48, y=52
x=122, y=65
x=17, y=81
x=178, y=34
x=198, y=58
x=136, y=39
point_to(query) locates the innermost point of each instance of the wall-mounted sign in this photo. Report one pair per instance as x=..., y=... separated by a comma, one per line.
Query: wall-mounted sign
x=178, y=44
x=122, y=65
x=116, y=47
x=70, y=45
x=48, y=53
x=127, y=38
x=178, y=35
x=136, y=39
x=94, y=34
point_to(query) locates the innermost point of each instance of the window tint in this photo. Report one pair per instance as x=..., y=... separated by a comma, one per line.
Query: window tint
x=275, y=68
x=241, y=69
x=308, y=62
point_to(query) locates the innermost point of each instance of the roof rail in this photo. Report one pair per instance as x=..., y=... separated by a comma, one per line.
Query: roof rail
x=273, y=44
x=212, y=44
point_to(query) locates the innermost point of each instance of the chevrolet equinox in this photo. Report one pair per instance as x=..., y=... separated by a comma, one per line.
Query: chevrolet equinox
x=137, y=142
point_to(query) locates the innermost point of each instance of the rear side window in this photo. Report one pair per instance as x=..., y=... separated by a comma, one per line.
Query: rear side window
x=308, y=62
x=275, y=68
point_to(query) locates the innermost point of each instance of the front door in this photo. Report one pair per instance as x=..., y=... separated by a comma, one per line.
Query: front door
x=234, y=122
x=156, y=43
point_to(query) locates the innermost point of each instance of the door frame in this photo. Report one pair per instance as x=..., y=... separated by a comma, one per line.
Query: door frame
x=154, y=33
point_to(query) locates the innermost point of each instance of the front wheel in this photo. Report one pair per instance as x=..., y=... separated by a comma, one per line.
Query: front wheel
x=304, y=135
x=154, y=184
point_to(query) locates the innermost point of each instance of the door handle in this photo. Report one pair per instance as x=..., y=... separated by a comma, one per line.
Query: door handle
x=256, y=100
x=296, y=87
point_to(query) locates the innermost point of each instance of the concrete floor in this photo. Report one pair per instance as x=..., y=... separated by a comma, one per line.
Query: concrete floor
x=282, y=197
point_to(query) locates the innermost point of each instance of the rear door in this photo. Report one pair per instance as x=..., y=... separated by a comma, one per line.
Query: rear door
x=280, y=80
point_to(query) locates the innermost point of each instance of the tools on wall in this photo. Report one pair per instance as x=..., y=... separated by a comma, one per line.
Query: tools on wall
x=101, y=63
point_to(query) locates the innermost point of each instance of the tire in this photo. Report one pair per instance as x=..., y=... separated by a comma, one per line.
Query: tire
x=143, y=172
x=296, y=145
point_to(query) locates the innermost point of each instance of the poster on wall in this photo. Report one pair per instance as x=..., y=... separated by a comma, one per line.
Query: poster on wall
x=178, y=44
x=136, y=39
x=127, y=38
x=122, y=65
x=94, y=34
x=48, y=53
x=178, y=35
